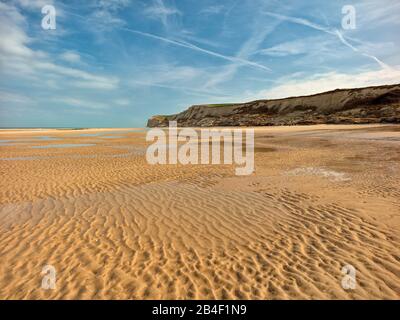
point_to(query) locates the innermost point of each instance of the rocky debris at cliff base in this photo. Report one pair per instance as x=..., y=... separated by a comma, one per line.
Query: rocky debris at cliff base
x=379, y=104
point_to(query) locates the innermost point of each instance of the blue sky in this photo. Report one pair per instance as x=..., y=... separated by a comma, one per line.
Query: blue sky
x=115, y=63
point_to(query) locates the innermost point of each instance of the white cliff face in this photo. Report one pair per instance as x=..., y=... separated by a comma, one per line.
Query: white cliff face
x=364, y=105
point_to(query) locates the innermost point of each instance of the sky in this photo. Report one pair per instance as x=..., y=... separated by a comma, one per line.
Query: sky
x=116, y=63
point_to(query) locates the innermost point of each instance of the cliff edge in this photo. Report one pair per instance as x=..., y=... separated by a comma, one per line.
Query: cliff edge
x=380, y=104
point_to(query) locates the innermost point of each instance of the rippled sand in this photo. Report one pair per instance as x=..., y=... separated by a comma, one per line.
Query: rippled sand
x=115, y=227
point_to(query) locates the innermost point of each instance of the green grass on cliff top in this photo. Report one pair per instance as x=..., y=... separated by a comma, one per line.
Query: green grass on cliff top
x=216, y=105
x=221, y=105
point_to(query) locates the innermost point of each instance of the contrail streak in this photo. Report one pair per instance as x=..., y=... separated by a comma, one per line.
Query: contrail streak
x=190, y=46
x=196, y=48
x=334, y=32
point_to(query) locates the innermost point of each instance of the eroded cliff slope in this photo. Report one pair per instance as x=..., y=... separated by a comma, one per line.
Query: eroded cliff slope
x=379, y=104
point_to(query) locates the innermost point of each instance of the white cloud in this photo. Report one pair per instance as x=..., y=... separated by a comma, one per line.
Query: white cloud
x=33, y=4
x=71, y=57
x=186, y=79
x=295, y=47
x=158, y=10
x=6, y=97
x=108, y=84
x=122, y=102
x=80, y=103
x=17, y=59
x=193, y=47
x=113, y=5
x=300, y=86
x=372, y=14
x=327, y=30
x=190, y=36
x=215, y=9
x=14, y=40
x=103, y=20
x=105, y=15
x=247, y=49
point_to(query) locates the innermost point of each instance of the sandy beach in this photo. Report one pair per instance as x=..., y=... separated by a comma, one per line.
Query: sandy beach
x=115, y=227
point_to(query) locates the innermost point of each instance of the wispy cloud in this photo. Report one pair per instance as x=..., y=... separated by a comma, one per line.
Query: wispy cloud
x=193, y=47
x=71, y=57
x=184, y=79
x=7, y=97
x=327, y=30
x=211, y=10
x=184, y=89
x=112, y=5
x=185, y=44
x=288, y=48
x=32, y=4
x=190, y=36
x=344, y=41
x=79, y=103
x=20, y=60
x=158, y=10
x=246, y=50
x=122, y=102
x=297, y=86
x=372, y=14
x=105, y=16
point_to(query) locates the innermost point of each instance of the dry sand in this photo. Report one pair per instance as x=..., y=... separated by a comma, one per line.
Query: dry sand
x=115, y=227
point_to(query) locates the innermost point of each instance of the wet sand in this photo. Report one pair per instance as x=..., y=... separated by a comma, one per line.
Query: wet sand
x=115, y=227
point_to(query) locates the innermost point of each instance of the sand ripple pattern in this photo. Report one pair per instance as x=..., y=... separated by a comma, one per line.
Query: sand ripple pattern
x=115, y=227
x=182, y=241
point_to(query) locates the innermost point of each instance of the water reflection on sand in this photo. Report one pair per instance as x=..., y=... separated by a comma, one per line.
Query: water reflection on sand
x=64, y=145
